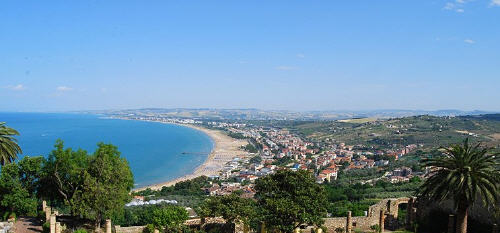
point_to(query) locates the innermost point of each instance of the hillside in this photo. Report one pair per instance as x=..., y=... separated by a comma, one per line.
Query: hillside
x=431, y=131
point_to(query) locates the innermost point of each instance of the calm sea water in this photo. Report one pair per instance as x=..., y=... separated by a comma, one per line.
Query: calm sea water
x=153, y=150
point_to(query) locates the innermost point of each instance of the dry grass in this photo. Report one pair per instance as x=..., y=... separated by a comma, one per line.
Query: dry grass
x=495, y=136
x=359, y=120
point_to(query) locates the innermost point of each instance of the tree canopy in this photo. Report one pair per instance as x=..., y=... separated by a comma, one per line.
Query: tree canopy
x=169, y=217
x=18, y=186
x=232, y=208
x=93, y=186
x=65, y=169
x=289, y=199
x=106, y=185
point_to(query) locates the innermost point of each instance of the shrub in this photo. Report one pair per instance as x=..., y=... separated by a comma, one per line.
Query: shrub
x=41, y=215
x=80, y=231
x=150, y=228
x=375, y=227
x=46, y=227
x=9, y=215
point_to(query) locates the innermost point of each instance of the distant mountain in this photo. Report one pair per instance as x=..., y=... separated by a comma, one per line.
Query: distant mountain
x=490, y=117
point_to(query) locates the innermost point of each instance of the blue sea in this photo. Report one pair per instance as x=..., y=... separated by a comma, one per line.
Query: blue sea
x=154, y=150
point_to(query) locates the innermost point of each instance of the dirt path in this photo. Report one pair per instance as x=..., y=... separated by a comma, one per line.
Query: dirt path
x=27, y=225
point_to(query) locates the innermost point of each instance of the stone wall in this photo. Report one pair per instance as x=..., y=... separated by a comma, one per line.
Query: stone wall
x=134, y=229
x=5, y=227
x=389, y=206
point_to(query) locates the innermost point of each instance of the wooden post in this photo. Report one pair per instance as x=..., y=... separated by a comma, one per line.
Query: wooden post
x=451, y=223
x=108, y=225
x=348, y=224
x=296, y=230
x=381, y=221
x=319, y=230
x=495, y=228
x=53, y=223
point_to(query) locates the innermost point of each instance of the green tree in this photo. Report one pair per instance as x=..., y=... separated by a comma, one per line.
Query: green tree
x=289, y=199
x=256, y=159
x=106, y=185
x=251, y=148
x=232, y=208
x=14, y=197
x=30, y=173
x=64, y=174
x=169, y=218
x=8, y=144
x=463, y=173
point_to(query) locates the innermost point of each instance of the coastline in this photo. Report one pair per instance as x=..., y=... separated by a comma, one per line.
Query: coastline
x=225, y=150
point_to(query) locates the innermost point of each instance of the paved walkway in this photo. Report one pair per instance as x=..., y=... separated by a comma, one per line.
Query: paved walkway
x=27, y=225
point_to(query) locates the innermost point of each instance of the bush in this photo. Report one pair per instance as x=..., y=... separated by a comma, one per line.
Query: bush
x=41, y=215
x=9, y=215
x=80, y=231
x=46, y=227
x=375, y=227
x=150, y=228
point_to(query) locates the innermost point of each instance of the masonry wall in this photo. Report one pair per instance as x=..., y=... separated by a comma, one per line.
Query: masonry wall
x=389, y=206
x=134, y=229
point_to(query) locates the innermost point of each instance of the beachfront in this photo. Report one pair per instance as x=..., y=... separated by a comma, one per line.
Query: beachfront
x=225, y=149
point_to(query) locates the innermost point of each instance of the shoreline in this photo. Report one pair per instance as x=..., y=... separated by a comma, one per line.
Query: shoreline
x=225, y=150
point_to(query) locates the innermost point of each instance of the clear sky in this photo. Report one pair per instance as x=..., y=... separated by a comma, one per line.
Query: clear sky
x=294, y=55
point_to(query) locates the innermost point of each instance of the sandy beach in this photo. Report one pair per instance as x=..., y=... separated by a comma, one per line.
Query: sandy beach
x=225, y=149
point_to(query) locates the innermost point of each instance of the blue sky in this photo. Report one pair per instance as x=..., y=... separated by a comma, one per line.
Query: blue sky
x=294, y=55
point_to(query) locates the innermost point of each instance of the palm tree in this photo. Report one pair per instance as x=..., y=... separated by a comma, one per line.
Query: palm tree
x=8, y=144
x=464, y=173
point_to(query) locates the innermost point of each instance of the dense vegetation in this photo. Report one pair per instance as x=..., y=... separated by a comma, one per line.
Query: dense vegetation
x=94, y=187
x=19, y=187
x=236, y=135
x=289, y=199
x=233, y=209
x=250, y=148
x=359, y=197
